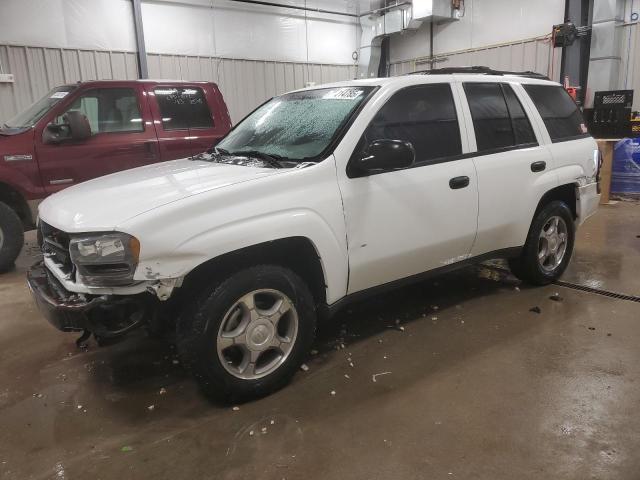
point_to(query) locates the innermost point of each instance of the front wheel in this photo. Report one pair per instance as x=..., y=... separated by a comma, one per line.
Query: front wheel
x=11, y=237
x=249, y=334
x=549, y=246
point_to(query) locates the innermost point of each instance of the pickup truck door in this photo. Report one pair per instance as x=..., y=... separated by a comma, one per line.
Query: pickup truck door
x=185, y=119
x=514, y=166
x=404, y=222
x=122, y=137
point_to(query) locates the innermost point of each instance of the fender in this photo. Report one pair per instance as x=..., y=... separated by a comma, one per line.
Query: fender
x=543, y=183
x=181, y=236
x=19, y=181
x=237, y=235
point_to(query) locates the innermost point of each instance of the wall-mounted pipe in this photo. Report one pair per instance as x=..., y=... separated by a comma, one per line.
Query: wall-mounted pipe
x=296, y=7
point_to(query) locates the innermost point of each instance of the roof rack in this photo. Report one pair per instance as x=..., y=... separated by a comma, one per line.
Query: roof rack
x=478, y=69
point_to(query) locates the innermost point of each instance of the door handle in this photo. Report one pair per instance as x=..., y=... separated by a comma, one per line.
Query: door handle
x=458, y=182
x=538, y=166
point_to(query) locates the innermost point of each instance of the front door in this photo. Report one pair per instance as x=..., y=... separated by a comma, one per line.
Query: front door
x=120, y=139
x=405, y=222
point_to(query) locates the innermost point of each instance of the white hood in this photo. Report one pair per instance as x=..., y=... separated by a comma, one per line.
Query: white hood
x=104, y=203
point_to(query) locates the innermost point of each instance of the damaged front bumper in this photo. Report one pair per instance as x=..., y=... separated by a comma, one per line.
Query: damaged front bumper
x=104, y=315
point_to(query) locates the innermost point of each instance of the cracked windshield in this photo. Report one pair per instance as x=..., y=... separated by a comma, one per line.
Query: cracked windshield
x=297, y=126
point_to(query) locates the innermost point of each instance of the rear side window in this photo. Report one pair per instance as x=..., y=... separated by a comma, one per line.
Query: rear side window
x=559, y=112
x=520, y=123
x=490, y=115
x=183, y=108
x=425, y=116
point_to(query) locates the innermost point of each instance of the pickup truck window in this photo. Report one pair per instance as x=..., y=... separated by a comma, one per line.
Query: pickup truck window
x=298, y=125
x=183, y=108
x=559, y=112
x=109, y=110
x=424, y=115
x=35, y=112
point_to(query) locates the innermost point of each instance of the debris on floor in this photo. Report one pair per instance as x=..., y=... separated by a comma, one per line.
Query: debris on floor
x=333, y=393
x=592, y=328
x=376, y=375
x=151, y=408
x=304, y=367
x=163, y=391
x=126, y=448
x=535, y=310
x=556, y=297
x=236, y=408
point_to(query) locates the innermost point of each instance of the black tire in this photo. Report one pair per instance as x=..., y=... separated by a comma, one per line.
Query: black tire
x=198, y=327
x=527, y=267
x=12, y=235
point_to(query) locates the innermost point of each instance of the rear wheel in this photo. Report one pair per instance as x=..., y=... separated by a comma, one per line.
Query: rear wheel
x=11, y=237
x=249, y=334
x=549, y=246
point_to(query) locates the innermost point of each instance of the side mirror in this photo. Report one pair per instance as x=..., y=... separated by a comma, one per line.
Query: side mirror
x=385, y=154
x=75, y=127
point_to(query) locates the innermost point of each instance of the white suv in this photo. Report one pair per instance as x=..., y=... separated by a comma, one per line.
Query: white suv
x=317, y=198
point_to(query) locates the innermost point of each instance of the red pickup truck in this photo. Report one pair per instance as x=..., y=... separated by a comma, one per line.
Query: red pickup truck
x=89, y=129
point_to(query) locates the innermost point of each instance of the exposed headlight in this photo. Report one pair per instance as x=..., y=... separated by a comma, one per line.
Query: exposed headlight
x=106, y=259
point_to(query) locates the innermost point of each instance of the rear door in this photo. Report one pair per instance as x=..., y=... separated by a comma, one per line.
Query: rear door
x=513, y=165
x=405, y=222
x=122, y=137
x=185, y=121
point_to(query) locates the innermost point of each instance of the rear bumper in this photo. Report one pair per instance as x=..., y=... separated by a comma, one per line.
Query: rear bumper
x=64, y=310
x=588, y=201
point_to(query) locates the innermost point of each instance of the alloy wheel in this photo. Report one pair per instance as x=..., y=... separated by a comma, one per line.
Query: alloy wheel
x=257, y=334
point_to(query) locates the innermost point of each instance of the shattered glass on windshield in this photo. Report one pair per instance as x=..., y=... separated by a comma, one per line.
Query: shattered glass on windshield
x=297, y=126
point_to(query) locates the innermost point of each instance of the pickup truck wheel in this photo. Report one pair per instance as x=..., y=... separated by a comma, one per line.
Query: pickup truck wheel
x=11, y=237
x=249, y=334
x=549, y=246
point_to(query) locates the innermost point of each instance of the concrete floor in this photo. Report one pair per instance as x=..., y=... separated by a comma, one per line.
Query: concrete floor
x=479, y=388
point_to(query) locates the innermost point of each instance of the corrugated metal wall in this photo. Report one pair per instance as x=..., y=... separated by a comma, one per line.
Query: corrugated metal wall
x=531, y=54
x=37, y=70
x=535, y=54
x=244, y=83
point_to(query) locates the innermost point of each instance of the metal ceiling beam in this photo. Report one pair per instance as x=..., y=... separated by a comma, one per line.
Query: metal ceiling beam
x=143, y=71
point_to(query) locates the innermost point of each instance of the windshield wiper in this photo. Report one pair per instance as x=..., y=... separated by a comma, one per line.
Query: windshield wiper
x=219, y=151
x=271, y=159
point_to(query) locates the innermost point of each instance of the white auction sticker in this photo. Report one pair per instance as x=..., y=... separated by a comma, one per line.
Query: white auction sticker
x=346, y=93
x=59, y=95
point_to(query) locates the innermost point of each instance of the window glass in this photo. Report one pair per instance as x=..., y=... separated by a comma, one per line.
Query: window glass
x=491, y=121
x=109, y=110
x=299, y=125
x=35, y=112
x=425, y=116
x=521, y=125
x=559, y=112
x=183, y=108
